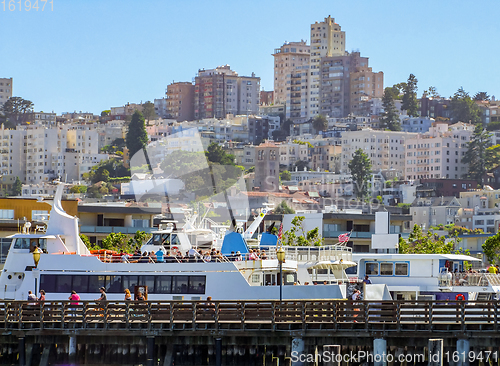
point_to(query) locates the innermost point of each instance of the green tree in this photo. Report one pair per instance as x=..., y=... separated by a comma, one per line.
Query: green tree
x=464, y=109
x=216, y=154
x=17, y=188
x=16, y=110
x=78, y=189
x=115, y=241
x=320, y=123
x=433, y=92
x=283, y=209
x=475, y=155
x=285, y=175
x=481, y=96
x=148, y=110
x=137, y=137
x=297, y=236
x=491, y=248
x=139, y=238
x=361, y=170
x=492, y=158
x=390, y=117
x=86, y=241
x=410, y=103
x=420, y=243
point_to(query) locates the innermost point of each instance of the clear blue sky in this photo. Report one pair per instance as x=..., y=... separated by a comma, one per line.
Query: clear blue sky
x=91, y=55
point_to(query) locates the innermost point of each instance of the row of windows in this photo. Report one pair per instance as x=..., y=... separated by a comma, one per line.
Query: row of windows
x=117, y=284
x=386, y=268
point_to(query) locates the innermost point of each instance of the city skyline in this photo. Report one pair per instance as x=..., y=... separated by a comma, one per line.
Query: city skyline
x=87, y=56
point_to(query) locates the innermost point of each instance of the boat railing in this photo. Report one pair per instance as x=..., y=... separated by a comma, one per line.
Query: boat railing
x=475, y=279
x=315, y=254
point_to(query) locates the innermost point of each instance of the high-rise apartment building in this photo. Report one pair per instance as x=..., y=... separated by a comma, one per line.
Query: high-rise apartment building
x=327, y=40
x=291, y=79
x=180, y=101
x=348, y=85
x=5, y=90
x=221, y=91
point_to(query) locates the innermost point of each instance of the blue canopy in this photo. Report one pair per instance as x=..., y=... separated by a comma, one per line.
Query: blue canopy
x=268, y=239
x=234, y=242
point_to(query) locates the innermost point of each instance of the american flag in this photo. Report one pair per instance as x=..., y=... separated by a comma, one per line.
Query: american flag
x=344, y=237
x=280, y=232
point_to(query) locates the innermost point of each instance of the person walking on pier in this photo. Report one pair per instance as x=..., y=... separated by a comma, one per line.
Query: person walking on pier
x=74, y=298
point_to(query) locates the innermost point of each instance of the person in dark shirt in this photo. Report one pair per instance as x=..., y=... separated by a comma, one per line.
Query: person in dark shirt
x=367, y=280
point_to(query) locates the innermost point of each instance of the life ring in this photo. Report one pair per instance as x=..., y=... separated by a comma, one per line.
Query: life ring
x=175, y=250
x=460, y=297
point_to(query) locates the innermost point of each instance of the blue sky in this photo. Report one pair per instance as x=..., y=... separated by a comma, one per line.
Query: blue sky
x=91, y=55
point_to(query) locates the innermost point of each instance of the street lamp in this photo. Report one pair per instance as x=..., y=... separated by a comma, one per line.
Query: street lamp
x=36, y=257
x=281, y=258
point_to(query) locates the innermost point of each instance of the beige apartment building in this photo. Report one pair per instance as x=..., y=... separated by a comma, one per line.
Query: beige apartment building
x=291, y=79
x=327, y=40
x=5, y=90
x=180, y=101
x=439, y=152
x=386, y=149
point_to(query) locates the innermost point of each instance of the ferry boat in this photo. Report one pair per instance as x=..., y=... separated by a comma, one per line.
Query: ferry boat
x=426, y=276
x=67, y=265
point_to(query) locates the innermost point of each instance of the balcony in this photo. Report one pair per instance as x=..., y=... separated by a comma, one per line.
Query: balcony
x=113, y=229
x=354, y=234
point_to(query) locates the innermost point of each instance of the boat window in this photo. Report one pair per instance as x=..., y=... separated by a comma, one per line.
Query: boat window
x=114, y=284
x=180, y=285
x=22, y=243
x=165, y=239
x=196, y=284
x=371, y=268
x=401, y=269
x=80, y=284
x=290, y=278
x=42, y=243
x=163, y=284
x=156, y=239
x=64, y=284
x=96, y=282
x=352, y=270
x=130, y=282
x=48, y=283
x=148, y=281
x=256, y=278
x=175, y=240
x=386, y=269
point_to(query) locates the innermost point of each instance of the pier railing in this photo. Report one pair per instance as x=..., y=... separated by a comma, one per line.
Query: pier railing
x=338, y=315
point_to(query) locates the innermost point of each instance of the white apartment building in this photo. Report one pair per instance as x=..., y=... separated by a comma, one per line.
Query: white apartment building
x=327, y=39
x=439, y=152
x=5, y=90
x=39, y=154
x=386, y=149
x=291, y=152
x=291, y=79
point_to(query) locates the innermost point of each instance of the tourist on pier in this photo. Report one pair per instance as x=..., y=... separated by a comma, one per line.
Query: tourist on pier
x=140, y=297
x=367, y=280
x=238, y=256
x=263, y=255
x=74, y=298
x=42, y=296
x=103, y=297
x=124, y=257
x=152, y=255
x=145, y=258
x=31, y=297
x=492, y=269
x=128, y=296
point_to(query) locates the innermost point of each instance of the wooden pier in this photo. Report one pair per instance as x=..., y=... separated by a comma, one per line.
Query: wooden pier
x=235, y=332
